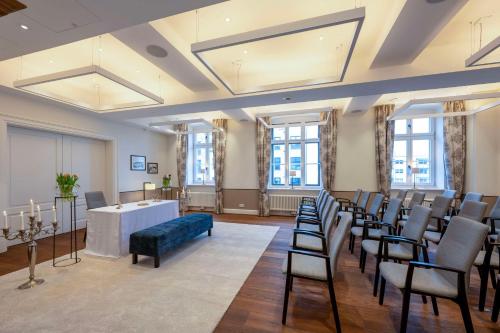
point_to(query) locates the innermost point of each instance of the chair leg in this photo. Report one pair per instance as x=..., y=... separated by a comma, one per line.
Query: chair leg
x=85, y=235
x=406, y=309
x=353, y=243
x=285, y=302
x=376, y=278
x=464, y=308
x=435, y=305
x=350, y=242
x=291, y=283
x=424, y=299
x=363, y=260
x=382, y=291
x=483, y=274
x=496, y=306
x=493, y=278
x=334, y=305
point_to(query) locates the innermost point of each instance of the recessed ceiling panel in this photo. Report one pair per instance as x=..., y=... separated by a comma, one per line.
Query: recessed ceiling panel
x=302, y=53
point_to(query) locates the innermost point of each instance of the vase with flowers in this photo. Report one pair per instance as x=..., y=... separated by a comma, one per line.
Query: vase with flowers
x=166, y=181
x=67, y=184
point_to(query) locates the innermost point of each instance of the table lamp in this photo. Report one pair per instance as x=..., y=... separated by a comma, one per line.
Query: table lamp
x=148, y=187
x=414, y=172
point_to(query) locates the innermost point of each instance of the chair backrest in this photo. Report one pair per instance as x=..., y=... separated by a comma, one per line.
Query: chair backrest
x=495, y=210
x=95, y=199
x=402, y=194
x=320, y=195
x=325, y=208
x=460, y=245
x=473, y=210
x=337, y=239
x=471, y=196
x=416, y=199
x=417, y=223
x=355, y=197
x=377, y=202
x=449, y=194
x=363, y=201
x=440, y=206
x=330, y=221
x=392, y=212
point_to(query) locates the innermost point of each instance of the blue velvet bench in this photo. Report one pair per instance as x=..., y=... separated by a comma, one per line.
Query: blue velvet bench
x=156, y=240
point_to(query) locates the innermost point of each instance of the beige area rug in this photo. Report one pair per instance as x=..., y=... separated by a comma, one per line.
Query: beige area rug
x=190, y=292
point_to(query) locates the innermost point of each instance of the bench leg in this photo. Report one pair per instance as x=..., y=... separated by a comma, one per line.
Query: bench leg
x=157, y=261
x=134, y=258
x=210, y=232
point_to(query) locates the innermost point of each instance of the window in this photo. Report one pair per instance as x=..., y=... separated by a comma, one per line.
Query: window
x=414, y=152
x=295, y=156
x=200, y=166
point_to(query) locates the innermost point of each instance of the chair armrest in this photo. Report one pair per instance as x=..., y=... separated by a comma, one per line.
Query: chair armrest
x=343, y=200
x=385, y=239
x=308, y=232
x=435, y=266
x=372, y=224
x=405, y=209
x=309, y=253
x=373, y=216
x=307, y=222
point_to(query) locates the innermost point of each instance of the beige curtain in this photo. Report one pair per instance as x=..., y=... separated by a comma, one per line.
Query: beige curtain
x=263, y=161
x=328, y=148
x=181, y=149
x=219, y=147
x=384, y=144
x=455, y=142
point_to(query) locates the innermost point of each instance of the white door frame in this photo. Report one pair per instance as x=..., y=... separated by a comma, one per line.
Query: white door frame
x=9, y=120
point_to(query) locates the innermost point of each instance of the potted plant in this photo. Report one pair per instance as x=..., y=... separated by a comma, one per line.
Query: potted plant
x=67, y=184
x=166, y=181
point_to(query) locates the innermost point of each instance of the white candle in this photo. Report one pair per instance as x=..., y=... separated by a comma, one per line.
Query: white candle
x=32, y=206
x=54, y=215
x=39, y=213
x=21, y=215
x=6, y=225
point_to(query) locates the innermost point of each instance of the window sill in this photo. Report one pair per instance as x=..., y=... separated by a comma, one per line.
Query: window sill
x=200, y=185
x=295, y=188
x=417, y=188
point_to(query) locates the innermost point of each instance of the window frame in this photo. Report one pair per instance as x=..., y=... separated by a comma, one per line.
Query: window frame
x=191, y=165
x=409, y=137
x=286, y=143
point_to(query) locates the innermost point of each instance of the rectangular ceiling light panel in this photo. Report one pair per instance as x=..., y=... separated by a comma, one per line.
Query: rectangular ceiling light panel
x=90, y=87
x=302, y=53
x=488, y=55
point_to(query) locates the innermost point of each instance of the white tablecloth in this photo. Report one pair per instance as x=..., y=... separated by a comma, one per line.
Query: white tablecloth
x=108, y=228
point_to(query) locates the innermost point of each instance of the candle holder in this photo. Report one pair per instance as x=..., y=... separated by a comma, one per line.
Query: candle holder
x=28, y=236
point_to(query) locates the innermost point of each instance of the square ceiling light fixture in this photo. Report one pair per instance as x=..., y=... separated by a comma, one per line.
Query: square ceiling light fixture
x=297, y=54
x=488, y=55
x=90, y=87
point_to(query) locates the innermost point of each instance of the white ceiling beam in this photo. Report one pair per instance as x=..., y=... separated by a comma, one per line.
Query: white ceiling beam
x=239, y=115
x=416, y=26
x=482, y=108
x=360, y=104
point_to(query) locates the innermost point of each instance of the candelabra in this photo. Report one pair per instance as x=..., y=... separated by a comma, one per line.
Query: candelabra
x=28, y=236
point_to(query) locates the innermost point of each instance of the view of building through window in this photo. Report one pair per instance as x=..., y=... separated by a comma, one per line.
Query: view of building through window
x=295, y=156
x=413, y=160
x=201, y=152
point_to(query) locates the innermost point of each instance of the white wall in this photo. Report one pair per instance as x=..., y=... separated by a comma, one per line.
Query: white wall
x=129, y=139
x=356, y=152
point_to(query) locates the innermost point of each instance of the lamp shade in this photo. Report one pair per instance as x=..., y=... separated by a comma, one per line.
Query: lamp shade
x=149, y=186
x=293, y=173
x=415, y=170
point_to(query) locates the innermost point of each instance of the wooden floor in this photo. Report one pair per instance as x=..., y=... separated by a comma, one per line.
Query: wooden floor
x=258, y=305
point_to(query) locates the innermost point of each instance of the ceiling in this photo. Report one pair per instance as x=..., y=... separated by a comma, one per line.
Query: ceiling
x=405, y=49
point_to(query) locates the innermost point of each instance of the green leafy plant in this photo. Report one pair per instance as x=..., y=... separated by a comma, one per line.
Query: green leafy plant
x=166, y=181
x=66, y=184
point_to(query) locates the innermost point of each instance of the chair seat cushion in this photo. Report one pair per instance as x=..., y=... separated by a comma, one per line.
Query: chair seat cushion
x=402, y=223
x=433, y=236
x=308, y=242
x=308, y=226
x=306, y=266
x=398, y=251
x=493, y=260
x=372, y=233
x=424, y=280
x=431, y=227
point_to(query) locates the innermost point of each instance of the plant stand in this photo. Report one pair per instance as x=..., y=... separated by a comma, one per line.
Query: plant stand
x=73, y=248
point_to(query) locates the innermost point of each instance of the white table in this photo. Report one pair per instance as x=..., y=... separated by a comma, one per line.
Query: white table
x=109, y=228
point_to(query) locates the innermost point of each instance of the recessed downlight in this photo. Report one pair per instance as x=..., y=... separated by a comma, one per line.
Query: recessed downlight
x=321, y=37
x=287, y=98
x=227, y=19
x=24, y=27
x=156, y=51
x=245, y=52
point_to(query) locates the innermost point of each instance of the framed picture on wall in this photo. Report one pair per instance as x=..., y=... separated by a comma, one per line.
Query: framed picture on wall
x=137, y=163
x=153, y=168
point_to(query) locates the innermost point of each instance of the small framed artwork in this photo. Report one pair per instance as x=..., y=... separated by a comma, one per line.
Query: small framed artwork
x=153, y=168
x=137, y=163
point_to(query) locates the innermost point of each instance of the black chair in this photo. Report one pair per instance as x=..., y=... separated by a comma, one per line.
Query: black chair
x=496, y=301
x=94, y=200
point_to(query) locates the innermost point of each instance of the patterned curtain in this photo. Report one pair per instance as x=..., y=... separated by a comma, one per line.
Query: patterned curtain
x=328, y=148
x=384, y=144
x=181, y=148
x=454, y=129
x=219, y=147
x=263, y=161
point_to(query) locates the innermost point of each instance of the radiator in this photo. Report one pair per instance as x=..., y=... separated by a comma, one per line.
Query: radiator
x=288, y=203
x=202, y=199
